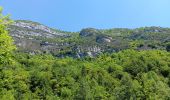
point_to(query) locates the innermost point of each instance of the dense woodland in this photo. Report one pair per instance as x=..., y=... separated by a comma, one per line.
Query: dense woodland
x=125, y=75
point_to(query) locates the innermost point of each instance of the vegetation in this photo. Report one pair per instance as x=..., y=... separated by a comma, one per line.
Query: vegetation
x=6, y=42
x=126, y=75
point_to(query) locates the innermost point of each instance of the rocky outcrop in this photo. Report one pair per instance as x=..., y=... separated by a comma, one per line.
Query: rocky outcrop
x=90, y=51
x=104, y=39
x=88, y=32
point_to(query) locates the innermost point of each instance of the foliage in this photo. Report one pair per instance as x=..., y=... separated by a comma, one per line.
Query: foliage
x=124, y=75
x=6, y=42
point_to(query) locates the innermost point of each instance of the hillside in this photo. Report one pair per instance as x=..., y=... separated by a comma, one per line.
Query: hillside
x=115, y=64
x=35, y=38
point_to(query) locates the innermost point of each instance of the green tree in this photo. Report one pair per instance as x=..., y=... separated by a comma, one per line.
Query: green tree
x=168, y=47
x=154, y=88
x=6, y=41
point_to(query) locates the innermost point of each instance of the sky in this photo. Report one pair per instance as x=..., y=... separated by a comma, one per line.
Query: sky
x=73, y=15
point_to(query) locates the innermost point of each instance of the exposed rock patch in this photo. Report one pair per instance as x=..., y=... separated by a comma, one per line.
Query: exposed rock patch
x=104, y=39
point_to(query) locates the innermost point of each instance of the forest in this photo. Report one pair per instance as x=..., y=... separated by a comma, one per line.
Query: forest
x=125, y=75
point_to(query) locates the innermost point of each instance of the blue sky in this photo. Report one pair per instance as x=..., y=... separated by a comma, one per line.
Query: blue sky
x=73, y=15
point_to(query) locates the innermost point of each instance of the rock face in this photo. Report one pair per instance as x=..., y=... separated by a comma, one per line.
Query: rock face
x=23, y=29
x=90, y=51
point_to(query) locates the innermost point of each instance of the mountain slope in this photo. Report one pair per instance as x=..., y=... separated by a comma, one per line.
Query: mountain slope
x=34, y=37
